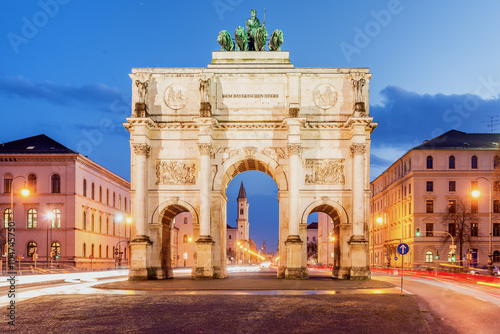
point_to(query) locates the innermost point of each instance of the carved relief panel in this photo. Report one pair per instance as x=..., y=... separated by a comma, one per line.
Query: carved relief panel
x=175, y=172
x=324, y=171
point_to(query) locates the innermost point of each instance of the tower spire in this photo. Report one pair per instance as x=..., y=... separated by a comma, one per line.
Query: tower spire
x=242, y=193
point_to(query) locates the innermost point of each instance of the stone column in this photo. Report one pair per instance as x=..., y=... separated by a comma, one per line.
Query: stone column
x=139, y=245
x=359, y=245
x=205, y=244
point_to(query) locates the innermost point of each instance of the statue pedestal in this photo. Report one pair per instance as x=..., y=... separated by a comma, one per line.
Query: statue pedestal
x=294, y=268
x=138, y=258
x=140, y=109
x=204, y=264
x=360, y=269
x=205, y=109
x=359, y=109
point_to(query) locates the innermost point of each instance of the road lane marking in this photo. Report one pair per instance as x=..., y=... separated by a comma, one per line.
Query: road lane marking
x=481, y=299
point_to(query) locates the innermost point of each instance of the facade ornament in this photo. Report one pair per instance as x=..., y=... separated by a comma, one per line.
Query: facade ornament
x=142, y=91
x=358, y=148
x=293, y=111
x=205, y=148
x=175, y=96
x=205, y=107
x=250, y=151
x=325, y=171
x=142, y=149
x=294, y=149
x=175, y=172
x=357, y=88
x=325, y=96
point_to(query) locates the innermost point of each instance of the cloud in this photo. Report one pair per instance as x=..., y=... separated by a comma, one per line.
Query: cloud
x=98, y=96
x=407, y=118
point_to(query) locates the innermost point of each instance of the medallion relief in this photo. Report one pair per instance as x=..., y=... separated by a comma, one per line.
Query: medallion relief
x=175, y=172
x=175, y=96
x=325, y=96
x=328, y=171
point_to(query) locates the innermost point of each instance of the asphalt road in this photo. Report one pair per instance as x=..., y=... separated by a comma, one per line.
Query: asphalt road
x=455, y=307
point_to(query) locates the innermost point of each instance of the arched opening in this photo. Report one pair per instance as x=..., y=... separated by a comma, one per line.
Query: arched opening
x=252, y=229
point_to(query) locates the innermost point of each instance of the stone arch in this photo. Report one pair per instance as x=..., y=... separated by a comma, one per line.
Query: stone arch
x=243, y=162
x=328, y=206
x=172, y=208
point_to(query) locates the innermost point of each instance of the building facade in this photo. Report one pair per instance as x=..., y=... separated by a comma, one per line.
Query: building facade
x=193, y=130
x=432, y=182
x=76, y=209
x=326, y=240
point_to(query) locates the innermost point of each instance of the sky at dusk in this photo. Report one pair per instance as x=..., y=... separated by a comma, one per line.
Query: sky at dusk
x=64, y=68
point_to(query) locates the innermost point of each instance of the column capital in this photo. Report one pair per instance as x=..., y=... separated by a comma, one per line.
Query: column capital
x=294, y=149
x=142, y=149
x=358, y=148
x=205, y=148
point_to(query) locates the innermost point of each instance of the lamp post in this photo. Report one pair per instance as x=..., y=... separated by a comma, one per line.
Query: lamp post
x=50, y=216
x=118, y=219
x=25, y=192
x=475, y=193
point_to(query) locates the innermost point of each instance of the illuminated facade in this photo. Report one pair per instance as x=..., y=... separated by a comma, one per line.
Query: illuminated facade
x=75, y=209
x=426, y=184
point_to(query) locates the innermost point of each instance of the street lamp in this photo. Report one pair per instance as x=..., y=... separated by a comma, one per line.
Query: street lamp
x=475, y=194
x=118, y=219
x=50, y=216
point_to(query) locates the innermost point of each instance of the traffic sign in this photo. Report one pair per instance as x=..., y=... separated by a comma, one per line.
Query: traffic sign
x=91, y=257
x=20, y=257
x=403, y=248
x=395, y=258
x=453, y=246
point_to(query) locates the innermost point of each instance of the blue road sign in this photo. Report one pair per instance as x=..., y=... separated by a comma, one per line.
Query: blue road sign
x=403, y=248
x=395, y=258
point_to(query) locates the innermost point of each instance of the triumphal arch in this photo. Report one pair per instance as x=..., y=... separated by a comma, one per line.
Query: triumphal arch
x=192, y=130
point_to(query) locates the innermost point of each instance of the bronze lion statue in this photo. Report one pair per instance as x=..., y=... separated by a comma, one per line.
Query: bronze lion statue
x=225, y=41
x=241, y=39
x=260, y=39
x=276, y=40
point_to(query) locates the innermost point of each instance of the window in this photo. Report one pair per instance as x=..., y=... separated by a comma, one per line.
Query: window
x=100, y=224
x=314, y=238
x=496, y=256
x=107, y=196
x=107, y=225
x=409, y=189
x=185, y=238
x=473, y=162
x=92, y=190
x=84, y=220
x=84, y=251
x=107, y=252
x=100, y=251
x=31, y=249
x=452, y=206
x=451, y=162
x=429, y=257
x=32, y=218
x=84, y=187
x=185, y=220
x=7, y=183
x=474, y=230
x=474, y=205
x=429, y=229
x=55, y=184
x=32, y=183
x=55, y=248
x=452, y=186
x=496, y=229
x=92, y=250
x=429, y=186
x=114, y=200
x=429, y=162
x=119, y=202
x=496, y=206
x=92, y=222
x=409, y=208
x=473, y=185
x=452, y=229
x=7, y=217
x=125, y=203
x=100, y=194
x=429, y=206
x=496, y=162
x=114, y=227
x=229, y=237
x=56, y=221
x=114, y=250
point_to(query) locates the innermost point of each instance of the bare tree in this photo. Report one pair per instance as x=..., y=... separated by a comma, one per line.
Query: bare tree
x=312, y=250
x=458, y=222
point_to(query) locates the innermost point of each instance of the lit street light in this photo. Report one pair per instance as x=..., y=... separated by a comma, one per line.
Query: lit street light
x=475, y=194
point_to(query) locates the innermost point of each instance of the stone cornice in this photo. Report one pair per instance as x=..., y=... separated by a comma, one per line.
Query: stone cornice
x=141, y=149
x=358, y=148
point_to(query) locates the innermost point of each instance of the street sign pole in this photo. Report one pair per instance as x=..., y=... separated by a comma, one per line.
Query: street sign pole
x=402, y=272
x=402, y=249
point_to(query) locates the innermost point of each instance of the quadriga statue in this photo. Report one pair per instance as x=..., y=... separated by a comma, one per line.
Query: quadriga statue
x=276, y=40
x=241, y=38
x=225, y=41
x=261, y=39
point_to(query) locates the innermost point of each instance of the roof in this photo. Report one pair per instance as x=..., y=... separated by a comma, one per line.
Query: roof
x=35, y=144
x=229, y=227
x=312, y=226
x=242, y=193
x=457, y=140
